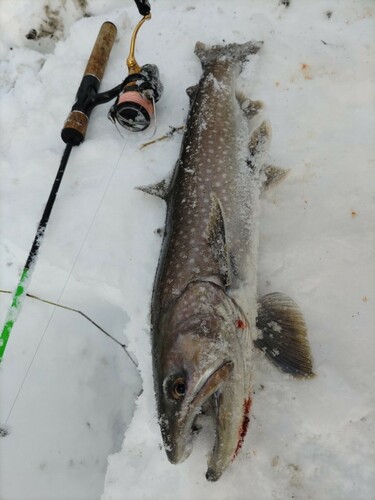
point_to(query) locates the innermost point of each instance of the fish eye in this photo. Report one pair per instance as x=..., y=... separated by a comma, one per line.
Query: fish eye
x=178, y=388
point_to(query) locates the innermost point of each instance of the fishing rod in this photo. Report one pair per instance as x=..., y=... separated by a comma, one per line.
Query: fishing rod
x=133, y=110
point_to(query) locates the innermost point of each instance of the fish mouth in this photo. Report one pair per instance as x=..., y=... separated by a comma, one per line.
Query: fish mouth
x=182, y=430
x=211, y=383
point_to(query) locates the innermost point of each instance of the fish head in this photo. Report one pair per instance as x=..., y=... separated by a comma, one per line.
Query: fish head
x=197, y=357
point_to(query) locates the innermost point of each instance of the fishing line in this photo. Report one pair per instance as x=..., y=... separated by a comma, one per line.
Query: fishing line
x=65, y=285
x=81, y=313
x=155, y=118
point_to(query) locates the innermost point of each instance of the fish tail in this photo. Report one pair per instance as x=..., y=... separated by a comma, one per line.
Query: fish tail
x=233, y=52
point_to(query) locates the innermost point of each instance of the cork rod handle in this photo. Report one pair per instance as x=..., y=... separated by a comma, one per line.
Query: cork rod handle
x=75, y=125
x=100, y=53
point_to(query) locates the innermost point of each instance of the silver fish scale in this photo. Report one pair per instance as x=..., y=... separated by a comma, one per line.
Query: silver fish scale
x=210, y=163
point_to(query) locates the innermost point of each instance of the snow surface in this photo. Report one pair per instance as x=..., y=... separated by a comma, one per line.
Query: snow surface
x=67, y=391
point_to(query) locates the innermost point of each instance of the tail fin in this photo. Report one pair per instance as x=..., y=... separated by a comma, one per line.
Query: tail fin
x=233, y=52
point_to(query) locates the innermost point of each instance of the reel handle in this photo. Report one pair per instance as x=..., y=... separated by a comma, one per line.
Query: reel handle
x=75, y=126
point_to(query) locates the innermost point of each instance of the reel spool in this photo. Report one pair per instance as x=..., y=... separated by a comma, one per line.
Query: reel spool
x=135, y=105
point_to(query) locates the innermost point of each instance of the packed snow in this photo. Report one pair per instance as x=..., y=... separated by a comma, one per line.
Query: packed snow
x=78, y=419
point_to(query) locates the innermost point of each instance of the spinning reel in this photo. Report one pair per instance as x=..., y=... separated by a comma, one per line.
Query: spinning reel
x=135, y=105
x=136, y=96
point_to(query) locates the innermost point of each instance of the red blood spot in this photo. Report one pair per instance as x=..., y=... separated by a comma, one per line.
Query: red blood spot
x=241, y=324
x=244, y=426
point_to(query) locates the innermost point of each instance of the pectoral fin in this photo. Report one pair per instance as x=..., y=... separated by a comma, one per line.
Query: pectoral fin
x=215, y=233
x=283, y=335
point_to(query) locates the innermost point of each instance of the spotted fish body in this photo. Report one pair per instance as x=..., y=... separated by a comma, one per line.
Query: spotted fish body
x=204, y=303
x=211, y=171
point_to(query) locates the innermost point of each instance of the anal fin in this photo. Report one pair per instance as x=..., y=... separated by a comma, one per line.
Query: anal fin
x=273, y=175
x=260, y=139
x=257, y=159
x=283, y=335
x=258, y=146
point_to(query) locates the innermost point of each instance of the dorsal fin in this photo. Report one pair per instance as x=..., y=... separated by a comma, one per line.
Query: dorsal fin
x=283, y=335
x=215, y=233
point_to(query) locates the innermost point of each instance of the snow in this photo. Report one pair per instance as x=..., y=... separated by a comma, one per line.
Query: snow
x=68, y=393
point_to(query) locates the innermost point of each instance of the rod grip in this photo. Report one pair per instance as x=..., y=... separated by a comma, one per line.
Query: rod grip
x=75, y=125
x=100, y=53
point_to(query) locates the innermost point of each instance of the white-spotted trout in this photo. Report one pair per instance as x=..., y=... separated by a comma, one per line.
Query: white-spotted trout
x=206, y=317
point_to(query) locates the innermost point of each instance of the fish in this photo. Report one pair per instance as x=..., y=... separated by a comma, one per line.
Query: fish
x=206, y=317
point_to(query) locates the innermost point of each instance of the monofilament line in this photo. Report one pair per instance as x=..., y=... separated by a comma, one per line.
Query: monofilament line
x=65, y=285
x=24, y=281
x=81, y=313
